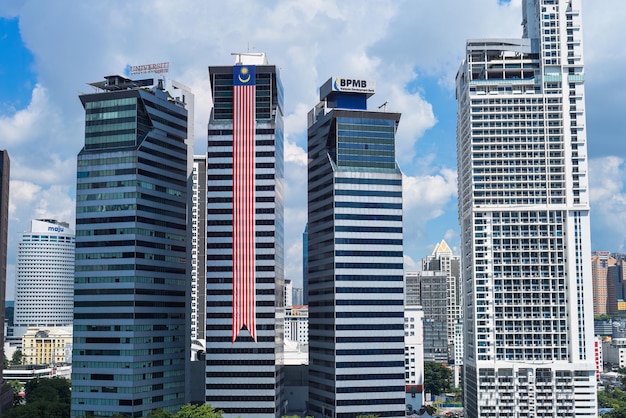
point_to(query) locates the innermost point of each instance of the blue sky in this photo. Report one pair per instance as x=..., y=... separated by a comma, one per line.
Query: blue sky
x=51, y=50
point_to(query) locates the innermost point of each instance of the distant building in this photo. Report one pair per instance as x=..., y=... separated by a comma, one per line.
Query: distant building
x=297, y=324
x=603, y=287
x=614, y=352
x=44, y=285
x=288, y=293
x=297, y=296
x=442, y=260
x=46, y=346
x=414, y=357
x=429, y=290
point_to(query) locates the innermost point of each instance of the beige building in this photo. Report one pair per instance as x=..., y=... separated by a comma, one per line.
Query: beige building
x=46, y=346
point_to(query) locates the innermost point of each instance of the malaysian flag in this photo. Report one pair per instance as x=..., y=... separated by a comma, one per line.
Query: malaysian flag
x=244, y=85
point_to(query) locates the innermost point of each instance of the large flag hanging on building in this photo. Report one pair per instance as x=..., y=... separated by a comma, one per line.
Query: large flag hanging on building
x=244, y=84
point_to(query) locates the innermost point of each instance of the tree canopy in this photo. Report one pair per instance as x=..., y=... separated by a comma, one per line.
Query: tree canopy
x=437, y=378
x=45, y=398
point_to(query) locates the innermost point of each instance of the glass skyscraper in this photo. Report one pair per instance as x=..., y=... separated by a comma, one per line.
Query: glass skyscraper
x=355, y=256
x=132, y=281
x=524, y=215
x=245, y=240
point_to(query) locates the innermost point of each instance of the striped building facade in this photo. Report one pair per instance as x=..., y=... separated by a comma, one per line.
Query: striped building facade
x=245, y=235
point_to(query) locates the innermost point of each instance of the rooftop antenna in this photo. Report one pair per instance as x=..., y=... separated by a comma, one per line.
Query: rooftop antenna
x=383, y=106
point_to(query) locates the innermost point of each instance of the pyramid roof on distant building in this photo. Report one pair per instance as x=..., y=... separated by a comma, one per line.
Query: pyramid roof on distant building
x=442, y=248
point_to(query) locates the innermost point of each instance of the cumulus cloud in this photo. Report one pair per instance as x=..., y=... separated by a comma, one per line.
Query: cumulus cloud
x=398, y=43
x=26, y=124
x=607, y=176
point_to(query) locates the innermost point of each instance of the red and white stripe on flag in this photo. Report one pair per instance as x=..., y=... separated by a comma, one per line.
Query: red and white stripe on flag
x=243, y=210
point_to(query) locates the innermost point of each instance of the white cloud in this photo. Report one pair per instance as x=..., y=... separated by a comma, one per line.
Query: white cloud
x=22, y=194
x=427, y=195
x=24, y=125
x=607, y=177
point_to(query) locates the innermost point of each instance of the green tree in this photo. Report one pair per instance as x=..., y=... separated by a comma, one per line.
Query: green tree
x=198, y=411
x=437, y=378
x=17, y=358
x=160, y=413
x=16, y=388
x=45, y=398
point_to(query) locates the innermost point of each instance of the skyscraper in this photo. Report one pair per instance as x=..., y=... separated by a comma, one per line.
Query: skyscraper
x=524, y=216
x=5, y=401
x=603, y=288
x=44, y=285
x=442, y=260
x=245, y=240
x=355, y=253
x=132, y=286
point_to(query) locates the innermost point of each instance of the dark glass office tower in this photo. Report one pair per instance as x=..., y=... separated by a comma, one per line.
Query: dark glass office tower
x=4, y=226
x=245, y=240
x=132, y=284
x=355, y=253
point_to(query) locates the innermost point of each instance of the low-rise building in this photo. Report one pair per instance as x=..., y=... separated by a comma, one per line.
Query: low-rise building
x=46, y=346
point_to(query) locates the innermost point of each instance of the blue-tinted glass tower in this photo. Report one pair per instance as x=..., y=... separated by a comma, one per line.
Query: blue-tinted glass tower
x=132, y=281
x=355, y=253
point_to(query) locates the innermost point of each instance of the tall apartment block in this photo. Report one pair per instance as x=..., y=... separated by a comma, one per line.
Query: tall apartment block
x=355, y=256
x=198, y=248
x=442, y=260
x=131, y=294
x=603, y=288
x=524, y=217
x=5, y=165
x=44, y=284
x=414, y=357
x=245, y=240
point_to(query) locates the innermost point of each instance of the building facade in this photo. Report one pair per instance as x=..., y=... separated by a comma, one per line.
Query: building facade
x=5, y=400
x=46, y=346
x=132, y=275
x=297, y=323
x=442, y=260
x=524, y=217
x=414, y=357
x=355, y=256
x=44, y=284
x=604, y=291
x=198, y=250
x=245, y=240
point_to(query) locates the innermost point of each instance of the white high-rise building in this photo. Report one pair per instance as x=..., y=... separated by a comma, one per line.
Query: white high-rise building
x=524, y=215
x=44, y=295
x=198, y=248
x=414, y=357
